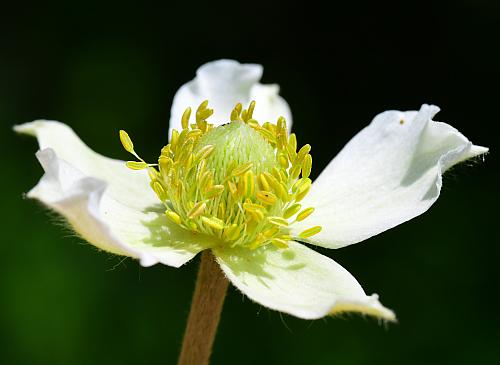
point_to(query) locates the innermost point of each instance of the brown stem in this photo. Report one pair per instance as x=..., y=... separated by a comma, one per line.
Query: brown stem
x=206, y=307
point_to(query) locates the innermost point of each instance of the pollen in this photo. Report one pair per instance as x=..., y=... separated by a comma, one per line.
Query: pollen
x=240, y=182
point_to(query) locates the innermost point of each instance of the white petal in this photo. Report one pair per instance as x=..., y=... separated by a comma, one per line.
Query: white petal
x=387, y=174
x=107, y=204
x=298, y=281
x=224, y=83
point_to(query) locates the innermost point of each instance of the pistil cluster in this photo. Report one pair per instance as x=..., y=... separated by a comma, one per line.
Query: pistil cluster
x=241, y=182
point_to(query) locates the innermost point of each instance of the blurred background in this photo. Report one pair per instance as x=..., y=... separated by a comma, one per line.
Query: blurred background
x=101, y=67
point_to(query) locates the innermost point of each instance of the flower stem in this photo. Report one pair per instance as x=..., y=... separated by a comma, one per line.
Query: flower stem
x=206, y=308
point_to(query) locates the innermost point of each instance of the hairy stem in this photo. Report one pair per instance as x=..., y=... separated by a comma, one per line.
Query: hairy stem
x=206, y=308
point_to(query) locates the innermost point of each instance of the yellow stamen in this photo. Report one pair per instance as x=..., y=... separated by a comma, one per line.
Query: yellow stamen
x=240, y=170
x=213, y=222
x=238, y=182
x=304, y=214
x=134, y=165
x=302, y=191
x=158, y=189
x=290, y=211
x=185, y=118
x=197, y=210
x=126, y=142
x=310, y=232
x=174, y=217
x=232, y=232
x=278, y=221
x=214, y=191
x=306, y=166
x=279, y=243
x=248, y=183
x=263, y=184
x=266, y=197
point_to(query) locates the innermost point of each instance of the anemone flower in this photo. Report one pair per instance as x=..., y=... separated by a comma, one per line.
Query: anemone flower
x=233, y=181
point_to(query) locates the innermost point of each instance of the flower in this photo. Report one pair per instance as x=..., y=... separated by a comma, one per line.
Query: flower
x=243, y=191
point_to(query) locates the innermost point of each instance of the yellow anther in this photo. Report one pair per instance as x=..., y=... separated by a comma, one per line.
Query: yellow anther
x=231, y=166
x=153, y=173
x=209, y=182
x=197, y=210
x=195, y=133
x=279, y=243
x=232, y=188
x=286, y=237
x=292, y=146
x=174, y=140
x=201, y=169
x=306, y=166
x=291, y=210
x=281, y=124
x=165, y=151
x=284, y=176
x=203, y=125
x=263, y=184
x=278, y=187
x=235, y=114
x=270, y=127
x=267, y=135
x=247, y=114
x=186, y=150
x=241, y=169
x=271, y=232
x=158, y=189
x=165, y=163
x=252, y=207
x=206, y=180
x=126, y=142
x=185, y=118
x=257, y=215
x=182, y=137
x=214, y=191
x=302, y=153
x=203, y=112
x=241, y=188
x=279, y=221
x=174, y=217
x=253, y=123
x=248, y=183
x=185, y=144
x=266, y=197
x=283, y=160
x=281, y=191
x=283, y=141
x=273, y=182
x=205, y=151
x=302, y=191
x=295, y=171
x=310, y=232
x=213, y=222
x=299, y=183
x=134, y=165
x=189, y=161
x=304, y=214
x=232, y=232
x=203, y=105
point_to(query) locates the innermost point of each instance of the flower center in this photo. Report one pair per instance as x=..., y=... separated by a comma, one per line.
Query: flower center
x=241, y=182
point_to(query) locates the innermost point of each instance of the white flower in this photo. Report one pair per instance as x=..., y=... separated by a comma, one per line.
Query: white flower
x=388, y=173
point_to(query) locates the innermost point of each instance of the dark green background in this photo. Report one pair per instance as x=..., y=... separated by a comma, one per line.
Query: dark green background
x=100, y=67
